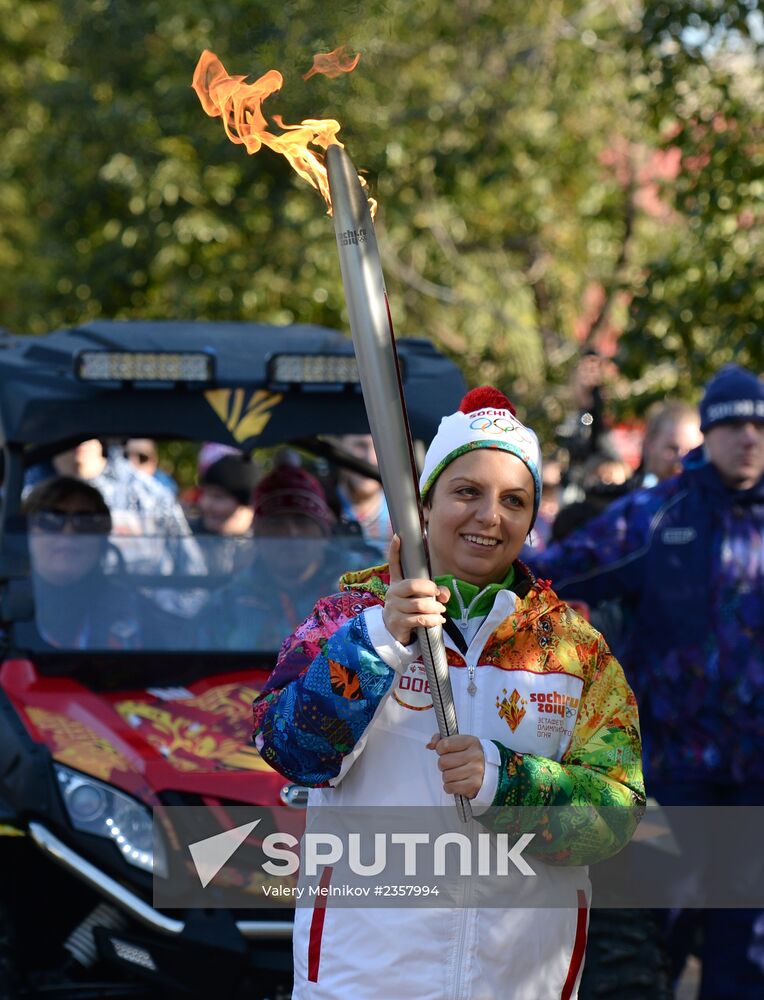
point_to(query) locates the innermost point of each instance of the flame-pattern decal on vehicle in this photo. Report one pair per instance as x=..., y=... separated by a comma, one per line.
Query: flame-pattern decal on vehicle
x=210, y=731
x=77, y=745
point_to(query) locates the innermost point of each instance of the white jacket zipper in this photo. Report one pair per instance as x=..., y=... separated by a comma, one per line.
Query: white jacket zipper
x=462, y=625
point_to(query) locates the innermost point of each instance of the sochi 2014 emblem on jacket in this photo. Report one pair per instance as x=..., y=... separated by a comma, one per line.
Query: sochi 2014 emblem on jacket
x=512, y=708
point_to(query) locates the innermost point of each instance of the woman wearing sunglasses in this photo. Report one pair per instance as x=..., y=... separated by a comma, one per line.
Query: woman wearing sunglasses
x=77, y=606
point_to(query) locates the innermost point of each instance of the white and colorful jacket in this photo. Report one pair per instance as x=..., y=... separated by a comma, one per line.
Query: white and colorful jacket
x=347, y=711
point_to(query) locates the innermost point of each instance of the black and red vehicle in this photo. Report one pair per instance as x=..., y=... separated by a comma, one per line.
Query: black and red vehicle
x=96, y=733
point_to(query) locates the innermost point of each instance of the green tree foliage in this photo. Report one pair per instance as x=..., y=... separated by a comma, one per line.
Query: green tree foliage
x=549, y=174
x=699, y=299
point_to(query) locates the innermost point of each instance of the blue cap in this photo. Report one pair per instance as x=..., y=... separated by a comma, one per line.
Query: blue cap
x=734, y=393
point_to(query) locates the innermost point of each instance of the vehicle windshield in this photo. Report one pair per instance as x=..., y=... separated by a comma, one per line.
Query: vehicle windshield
x=233, y=565
x=108, y=592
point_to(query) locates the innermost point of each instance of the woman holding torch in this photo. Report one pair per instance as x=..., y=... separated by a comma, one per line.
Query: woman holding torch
x=547, y=720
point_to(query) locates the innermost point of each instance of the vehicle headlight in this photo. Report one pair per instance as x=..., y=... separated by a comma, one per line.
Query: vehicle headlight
x=98, y=808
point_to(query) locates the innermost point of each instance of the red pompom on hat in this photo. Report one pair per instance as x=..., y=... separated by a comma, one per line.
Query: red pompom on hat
x=486, y=397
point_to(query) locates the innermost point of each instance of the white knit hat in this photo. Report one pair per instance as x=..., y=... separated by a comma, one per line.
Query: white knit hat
x=485, y=419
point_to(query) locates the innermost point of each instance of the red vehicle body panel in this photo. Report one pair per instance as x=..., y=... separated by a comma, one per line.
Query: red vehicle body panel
x=195, y=739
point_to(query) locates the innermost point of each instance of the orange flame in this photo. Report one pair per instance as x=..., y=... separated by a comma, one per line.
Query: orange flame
x=239, y=104
x=332, y=64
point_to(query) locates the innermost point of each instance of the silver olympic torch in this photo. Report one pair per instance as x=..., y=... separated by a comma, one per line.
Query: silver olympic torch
x=374, y=343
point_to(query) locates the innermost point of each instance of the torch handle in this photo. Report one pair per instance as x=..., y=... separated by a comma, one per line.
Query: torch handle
x=374, y=343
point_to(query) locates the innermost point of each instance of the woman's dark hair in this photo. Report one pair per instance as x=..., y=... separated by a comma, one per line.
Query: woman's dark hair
x=51, y=493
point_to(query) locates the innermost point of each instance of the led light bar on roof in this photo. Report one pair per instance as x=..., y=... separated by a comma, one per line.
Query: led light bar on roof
x=313, y=369
x=144, y=366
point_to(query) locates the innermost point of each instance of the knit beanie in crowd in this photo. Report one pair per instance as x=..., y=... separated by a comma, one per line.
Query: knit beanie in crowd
x=233, y=473
x=734, y=393
x=485, y=419
x=210, y=452
x=292, y=490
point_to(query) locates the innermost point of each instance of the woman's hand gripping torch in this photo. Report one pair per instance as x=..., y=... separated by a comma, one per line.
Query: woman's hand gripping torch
x=374, y=342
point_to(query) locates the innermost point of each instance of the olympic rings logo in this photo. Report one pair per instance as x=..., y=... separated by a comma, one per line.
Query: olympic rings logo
x=499, y=425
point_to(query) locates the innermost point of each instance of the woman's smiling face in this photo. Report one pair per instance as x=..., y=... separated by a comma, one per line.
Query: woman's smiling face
x=479, y=515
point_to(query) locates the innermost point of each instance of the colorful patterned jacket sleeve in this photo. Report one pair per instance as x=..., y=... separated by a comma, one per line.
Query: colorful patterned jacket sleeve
x=596, y=792
x=323, y=694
